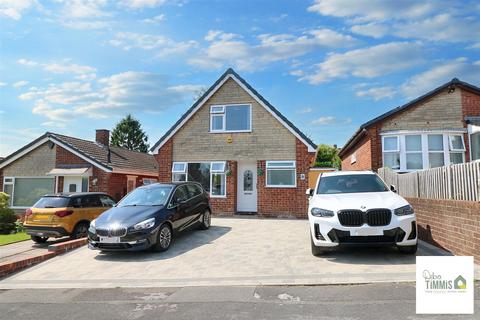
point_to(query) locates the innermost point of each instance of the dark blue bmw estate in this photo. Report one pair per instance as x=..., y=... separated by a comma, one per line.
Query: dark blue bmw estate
x=149, y=216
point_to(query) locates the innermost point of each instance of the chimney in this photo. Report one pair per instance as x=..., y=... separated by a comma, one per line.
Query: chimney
x=102, y=136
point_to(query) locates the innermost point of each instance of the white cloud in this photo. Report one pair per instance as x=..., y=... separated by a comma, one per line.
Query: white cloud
x=3, y=84
x=163, y=45
x=305, y=110
x=376, y=9
x=14, y=9
x=79, y=9
x=80, y=72
x=116, y=94
x=441, y=73
x=140, y=4
x=230, y=49
x=375, y=30
x=324, y=120
x=20, y=84
x=368, y=62
x=442, y=27
x=377, y=93
x=156, y=19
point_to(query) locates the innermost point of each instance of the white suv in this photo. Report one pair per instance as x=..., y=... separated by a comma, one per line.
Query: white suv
x=357, y=208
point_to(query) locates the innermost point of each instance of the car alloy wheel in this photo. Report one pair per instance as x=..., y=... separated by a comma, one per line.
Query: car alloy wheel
x=165, y=237
x=207, y=217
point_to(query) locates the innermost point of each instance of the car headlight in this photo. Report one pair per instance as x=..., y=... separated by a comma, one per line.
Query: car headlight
x=147, y=224
x=404, y=211
x=317, y=212
x=92, y=226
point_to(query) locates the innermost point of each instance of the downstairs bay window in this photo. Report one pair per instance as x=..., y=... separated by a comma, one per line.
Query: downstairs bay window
x=211, y=175
x=412, y=151
x=25, y=191
x=281, y=174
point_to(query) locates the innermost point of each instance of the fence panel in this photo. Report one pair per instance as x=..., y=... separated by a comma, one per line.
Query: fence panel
x=457, y=182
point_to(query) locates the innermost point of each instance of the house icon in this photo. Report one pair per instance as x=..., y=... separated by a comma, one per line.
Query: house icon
x=460, y=283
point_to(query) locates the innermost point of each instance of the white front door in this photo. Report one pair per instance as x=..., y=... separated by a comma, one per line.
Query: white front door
x=72, y=184
x=247, y=187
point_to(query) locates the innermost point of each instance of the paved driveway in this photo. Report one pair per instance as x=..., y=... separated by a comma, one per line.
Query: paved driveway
x=232, y=252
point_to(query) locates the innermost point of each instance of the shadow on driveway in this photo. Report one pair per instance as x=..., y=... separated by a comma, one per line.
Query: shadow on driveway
x=182, y=242
x=369, y=256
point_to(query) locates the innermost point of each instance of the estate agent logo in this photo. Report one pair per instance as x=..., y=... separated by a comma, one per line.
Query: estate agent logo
x=445, y=285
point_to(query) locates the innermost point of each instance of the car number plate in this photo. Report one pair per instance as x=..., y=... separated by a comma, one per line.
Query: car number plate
x=110, y=239
x=42, y=217
x=366, y=232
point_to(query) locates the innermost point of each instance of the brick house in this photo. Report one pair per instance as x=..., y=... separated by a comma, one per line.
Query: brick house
x=439, y=128
x=244, y=152
x=55, y=162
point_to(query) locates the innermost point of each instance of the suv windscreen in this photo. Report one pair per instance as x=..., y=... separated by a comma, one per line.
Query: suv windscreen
x=146, y=196
x=354, y=183
x=52, y=202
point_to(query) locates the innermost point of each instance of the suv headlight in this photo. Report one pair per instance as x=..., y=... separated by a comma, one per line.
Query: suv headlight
x=147, y=224
x=317, y=212
x=404, y=211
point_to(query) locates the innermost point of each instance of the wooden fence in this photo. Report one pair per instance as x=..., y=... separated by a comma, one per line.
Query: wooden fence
x=456, y=182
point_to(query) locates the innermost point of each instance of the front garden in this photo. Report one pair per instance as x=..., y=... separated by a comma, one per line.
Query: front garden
x=11, y=229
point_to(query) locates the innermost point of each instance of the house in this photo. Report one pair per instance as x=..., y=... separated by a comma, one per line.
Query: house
x=55, y=162
x=244, y=152
x=439, y=128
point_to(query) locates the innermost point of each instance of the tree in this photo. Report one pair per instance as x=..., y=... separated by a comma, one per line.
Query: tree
x=128, y=134
x=327, y=156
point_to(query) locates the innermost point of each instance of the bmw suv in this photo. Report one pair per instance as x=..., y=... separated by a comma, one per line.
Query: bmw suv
x=357, y=208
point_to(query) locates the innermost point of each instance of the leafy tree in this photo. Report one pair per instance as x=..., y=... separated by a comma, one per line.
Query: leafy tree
x=128, y=134
x=327, y=157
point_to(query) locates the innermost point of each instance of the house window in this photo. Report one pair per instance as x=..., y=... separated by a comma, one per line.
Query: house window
x=231, y=118
x=456, y=148
x=281, y=174
x=179, y=171
x=147, y=181
x=25, y=191
x=211, y=175
x=353, y=158
x=391, y=152
x=413, y=150
x=436, y=156
x=475, y=145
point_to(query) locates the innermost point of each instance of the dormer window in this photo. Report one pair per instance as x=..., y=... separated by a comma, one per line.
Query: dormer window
x=231, y=118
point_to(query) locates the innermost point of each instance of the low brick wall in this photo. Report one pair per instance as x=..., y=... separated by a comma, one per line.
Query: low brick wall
x=449, y=224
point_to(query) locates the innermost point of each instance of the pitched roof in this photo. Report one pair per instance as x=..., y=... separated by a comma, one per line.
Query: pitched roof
x=453, y=82
x=230, y=73
x=121, y=160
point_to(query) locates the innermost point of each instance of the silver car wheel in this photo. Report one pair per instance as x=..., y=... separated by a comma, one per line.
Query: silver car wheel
x=165, y=236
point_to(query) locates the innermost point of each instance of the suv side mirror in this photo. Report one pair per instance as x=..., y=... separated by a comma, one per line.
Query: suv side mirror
x=393, y=189
x=309, y=192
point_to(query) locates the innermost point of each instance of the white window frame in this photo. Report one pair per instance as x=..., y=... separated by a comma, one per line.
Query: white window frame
x=179, y=171
x=223, y=113
x=221, y=171
x=24, y=177
x=404, y=137
x=274, y=165
x=425, y=152
x=397, y=150
x=353, y=158
x=450, y=143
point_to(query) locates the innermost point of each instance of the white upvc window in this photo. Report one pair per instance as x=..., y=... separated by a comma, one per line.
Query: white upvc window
x=457, y=148
x=410, y=151
x=25, y=191
x=353, y=158
x=281, y=174
x=231, y=118
x=211, y=175
x=391, y=152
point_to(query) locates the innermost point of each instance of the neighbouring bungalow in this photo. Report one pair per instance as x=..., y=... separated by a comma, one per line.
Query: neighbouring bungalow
x=59, y=163
x=245, y=153
x=439, y=128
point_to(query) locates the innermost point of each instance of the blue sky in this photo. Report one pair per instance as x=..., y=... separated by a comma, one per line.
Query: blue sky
x=72, y=66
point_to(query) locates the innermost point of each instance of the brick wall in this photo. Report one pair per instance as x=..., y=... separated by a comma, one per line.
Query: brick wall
x=66, y=157
x=449, y=224
x=227, y=205
x=363, y=154
x=164, y=159
x=470, y=107
x=286, y=201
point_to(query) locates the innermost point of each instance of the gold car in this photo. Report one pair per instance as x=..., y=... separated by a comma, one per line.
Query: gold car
x=62, y=215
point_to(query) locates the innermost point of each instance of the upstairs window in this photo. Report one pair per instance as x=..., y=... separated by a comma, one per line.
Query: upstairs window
x=231, y=118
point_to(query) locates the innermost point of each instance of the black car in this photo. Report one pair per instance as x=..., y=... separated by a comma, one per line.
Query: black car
x=149, y=216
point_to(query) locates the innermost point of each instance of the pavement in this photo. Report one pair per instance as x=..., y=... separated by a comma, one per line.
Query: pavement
x=234, y=251
x=346, y=302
